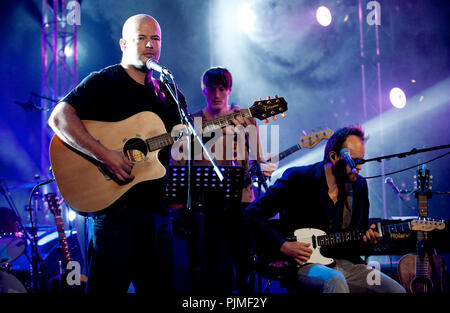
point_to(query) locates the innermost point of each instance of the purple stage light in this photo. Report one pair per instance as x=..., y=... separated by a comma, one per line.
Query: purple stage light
x=323, y=16
x=397, y=97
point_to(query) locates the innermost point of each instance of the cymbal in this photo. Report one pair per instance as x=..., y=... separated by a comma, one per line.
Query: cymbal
x=28, y=185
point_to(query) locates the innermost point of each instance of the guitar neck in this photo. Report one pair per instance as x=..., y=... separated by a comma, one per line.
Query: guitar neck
x=285, y=153
x=225, y=120
x=422, y=203
x=161, y=141
x=356, y=235
x=62, y=239
x=422, y=257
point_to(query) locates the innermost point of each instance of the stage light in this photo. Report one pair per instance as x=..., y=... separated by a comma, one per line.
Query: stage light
x=397, y=97
x=246, y=18
x=323, y=16
x=71, y=215
x=68, y=51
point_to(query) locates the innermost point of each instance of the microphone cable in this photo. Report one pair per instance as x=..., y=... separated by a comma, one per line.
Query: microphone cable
x=408, y=168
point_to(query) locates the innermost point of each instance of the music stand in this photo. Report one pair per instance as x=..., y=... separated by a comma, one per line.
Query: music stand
x=209, y=196
x=206, y=187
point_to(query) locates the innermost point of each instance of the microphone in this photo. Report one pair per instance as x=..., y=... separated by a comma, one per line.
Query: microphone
x=152, y=64
x=389, y=181
x=345, y=153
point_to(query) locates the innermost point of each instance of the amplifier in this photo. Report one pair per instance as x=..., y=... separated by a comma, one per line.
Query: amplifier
x=405, y=243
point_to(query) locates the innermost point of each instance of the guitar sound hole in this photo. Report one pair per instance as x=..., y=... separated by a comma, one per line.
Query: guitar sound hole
x=135, y=149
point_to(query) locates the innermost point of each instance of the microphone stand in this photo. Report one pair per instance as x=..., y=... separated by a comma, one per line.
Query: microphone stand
x=261, y=179
x=404, y=154
x=30, y=105
x=433, y=192
x=35, y=274
x=37, y=266
x=186, y=119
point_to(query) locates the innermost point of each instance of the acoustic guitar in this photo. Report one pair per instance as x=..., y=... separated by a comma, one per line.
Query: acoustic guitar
x=422, y=272
x=87, y=187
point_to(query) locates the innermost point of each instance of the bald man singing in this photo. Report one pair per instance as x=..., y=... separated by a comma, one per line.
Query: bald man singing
x=131, y=240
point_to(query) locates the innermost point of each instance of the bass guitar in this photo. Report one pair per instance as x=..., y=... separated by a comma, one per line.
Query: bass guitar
x=87, y=187
x=307, y=141
x=422, y=272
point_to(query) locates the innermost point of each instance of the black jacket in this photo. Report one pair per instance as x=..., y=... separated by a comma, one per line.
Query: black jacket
x=301, y=198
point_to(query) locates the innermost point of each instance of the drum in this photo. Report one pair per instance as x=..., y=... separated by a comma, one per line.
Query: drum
x=12, y=241
x=10, y=284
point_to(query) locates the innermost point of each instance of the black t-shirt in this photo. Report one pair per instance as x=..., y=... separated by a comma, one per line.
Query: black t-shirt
x=111, y=95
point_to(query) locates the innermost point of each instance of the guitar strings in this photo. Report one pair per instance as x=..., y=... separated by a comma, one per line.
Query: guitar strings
x=243, y=112
x=169, y=138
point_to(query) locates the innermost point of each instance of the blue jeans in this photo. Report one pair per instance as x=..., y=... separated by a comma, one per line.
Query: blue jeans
x=131, y=245
x=344, y=277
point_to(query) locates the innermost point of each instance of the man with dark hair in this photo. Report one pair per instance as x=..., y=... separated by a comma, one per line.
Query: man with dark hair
x=132, y=237
x=235, y=145
x=332, y=197
x=243, y=140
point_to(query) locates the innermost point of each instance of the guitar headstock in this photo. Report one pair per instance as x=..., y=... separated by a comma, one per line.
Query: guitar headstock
x=53, y=205
x=425, y=224
x=422, y=182
x=312, y=140
x=263, y=109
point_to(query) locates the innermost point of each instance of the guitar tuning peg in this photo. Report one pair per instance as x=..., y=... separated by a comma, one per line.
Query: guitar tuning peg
x=268, y=98
x=266, y=121
x=431, y=176
x=260, y=99
x=276, y=96
x=283, y=115
x=274, y=118
x=304, y=133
